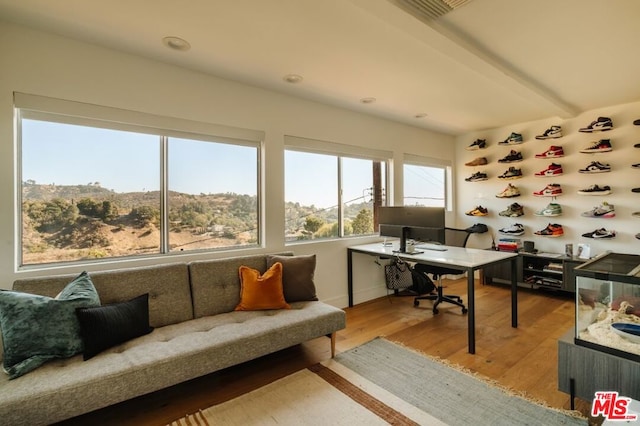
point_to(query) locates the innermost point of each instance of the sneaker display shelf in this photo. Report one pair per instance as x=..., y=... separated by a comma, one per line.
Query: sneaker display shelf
x=537, y=271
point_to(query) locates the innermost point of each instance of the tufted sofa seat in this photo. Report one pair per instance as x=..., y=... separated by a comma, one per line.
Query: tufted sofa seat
x=196, y=332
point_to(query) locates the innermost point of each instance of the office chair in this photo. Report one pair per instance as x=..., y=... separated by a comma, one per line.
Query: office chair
x=452, y=237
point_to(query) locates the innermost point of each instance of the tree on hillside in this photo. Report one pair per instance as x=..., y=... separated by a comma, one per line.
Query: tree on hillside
x=363, y=222
x=312, y=224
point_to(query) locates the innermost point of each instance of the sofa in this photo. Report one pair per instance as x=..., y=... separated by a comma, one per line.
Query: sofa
x=196, y=331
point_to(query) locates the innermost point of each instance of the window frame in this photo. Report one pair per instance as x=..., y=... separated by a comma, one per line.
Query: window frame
x=340, y=151
x=34, y=107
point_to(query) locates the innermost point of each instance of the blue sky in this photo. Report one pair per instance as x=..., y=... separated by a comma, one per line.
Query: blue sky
x=65, y=154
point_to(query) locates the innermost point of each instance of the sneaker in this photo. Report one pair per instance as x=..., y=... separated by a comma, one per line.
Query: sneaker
x=478, y=211
x=636, y=166
x=552, y=230
x=636, y=122
x=596, y=167
x=551, y=190
x=604, y=210
x=509, y=192
x=477, y=177
x=595, y=190
x=638, y=236
x=478, y=228
x=635, y=214
x=600, y=233
x=553, y=170
x=637, y=145
x=603, y=145
x=552, y=152
x=515, y=229
x=514, y=210
x=513, y=157
x=601, y=124
x=480, y=161
x=511, y=173
x=552, y=209
x=513, y=139
x=635, y=190
x=552, y=132
x=478, y=144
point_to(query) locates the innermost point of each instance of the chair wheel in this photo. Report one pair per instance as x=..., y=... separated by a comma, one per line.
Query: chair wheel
x=435, y=311
x=464, y=310
x=416, y=303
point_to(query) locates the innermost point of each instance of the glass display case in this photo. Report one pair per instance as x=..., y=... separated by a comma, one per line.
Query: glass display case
x=608, y=304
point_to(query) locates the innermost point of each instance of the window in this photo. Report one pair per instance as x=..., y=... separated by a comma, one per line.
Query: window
x=329, y=191
x=425, y=184
x=95, y=188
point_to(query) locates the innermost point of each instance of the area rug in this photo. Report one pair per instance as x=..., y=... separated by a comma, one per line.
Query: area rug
x=380, y=383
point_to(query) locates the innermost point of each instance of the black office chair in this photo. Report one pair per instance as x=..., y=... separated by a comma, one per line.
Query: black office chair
x=452, y=237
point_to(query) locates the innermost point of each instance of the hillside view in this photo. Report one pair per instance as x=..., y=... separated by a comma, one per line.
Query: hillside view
x=71, y=222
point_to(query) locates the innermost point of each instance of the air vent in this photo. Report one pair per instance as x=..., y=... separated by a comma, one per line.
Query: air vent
x=429, y=9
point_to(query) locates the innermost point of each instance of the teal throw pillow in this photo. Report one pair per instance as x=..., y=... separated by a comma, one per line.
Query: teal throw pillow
x=37, y=328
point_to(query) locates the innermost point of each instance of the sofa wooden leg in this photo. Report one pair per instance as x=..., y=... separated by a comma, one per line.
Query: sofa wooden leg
x=333, y=344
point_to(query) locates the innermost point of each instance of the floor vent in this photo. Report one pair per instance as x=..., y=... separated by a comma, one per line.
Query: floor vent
x=429, y=9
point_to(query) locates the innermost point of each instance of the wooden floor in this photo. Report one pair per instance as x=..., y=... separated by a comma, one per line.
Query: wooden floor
x=524, y=359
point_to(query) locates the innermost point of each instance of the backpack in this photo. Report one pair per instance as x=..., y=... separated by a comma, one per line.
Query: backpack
x=422, y=284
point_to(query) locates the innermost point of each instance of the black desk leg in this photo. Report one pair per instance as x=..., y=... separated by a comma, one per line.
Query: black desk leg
x=350, y=276
x=572, y=393
x=471, y=314
x=514, y=292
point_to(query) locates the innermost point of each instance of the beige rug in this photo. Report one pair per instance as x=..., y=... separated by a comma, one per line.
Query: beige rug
x=380, y=383
x=325, y=394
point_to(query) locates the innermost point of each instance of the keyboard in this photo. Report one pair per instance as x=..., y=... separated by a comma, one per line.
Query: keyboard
x=434, y=247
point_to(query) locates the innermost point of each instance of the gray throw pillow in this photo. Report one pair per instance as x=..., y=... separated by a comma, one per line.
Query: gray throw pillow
x=37, y=328
x=297, y=276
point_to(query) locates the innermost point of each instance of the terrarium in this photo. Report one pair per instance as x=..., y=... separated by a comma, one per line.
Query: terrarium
x=608, y=304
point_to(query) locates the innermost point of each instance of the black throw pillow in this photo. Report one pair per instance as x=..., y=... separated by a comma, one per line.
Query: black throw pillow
x=109, y=325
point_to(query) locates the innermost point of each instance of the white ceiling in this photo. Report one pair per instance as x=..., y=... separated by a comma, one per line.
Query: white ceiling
x=487, y=64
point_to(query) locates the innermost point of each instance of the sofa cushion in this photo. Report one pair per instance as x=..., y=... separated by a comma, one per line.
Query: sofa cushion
x=297, y=276
x=106, y=326
x=261, y=291
x=37, y=328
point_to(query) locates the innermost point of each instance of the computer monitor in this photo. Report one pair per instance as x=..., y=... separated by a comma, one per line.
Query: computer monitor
x=425, y=224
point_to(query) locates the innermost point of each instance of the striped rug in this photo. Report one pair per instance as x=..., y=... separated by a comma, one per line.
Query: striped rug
x=380, y=383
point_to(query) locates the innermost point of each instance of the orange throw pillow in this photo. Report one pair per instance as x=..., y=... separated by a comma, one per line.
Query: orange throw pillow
x=261, y=292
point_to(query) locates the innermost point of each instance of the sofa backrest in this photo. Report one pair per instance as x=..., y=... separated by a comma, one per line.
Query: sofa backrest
x=215, y=284
x=168, y=287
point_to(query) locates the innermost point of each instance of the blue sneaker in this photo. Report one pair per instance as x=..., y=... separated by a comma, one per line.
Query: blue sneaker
x=513, y=139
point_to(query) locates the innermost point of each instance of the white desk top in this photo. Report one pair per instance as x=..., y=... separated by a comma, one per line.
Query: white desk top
x=453, y=256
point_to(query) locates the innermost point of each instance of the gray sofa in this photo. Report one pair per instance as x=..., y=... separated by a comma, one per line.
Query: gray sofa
x=197, y=332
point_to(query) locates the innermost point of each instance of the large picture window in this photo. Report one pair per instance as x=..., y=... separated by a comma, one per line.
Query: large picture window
x=425, y=184
x=95, y=189
x=330, y=193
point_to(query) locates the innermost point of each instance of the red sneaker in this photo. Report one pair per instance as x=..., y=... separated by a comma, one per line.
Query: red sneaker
x=553, y=170
x=552, y=152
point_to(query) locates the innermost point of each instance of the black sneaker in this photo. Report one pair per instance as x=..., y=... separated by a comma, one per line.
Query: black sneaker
x=601, y=124
x=478, y=228
x=635, y=190
x=595, y=190
x=596, y=167
x=514, y=210
x=552, y=132
x=600, y=233
x=478, y=144
x=477, y=177
x=511, y=173
x=637, y=122
x=513, y=157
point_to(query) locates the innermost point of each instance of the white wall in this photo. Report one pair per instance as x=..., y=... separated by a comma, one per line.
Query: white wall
x=621, y=179
x=47, y=65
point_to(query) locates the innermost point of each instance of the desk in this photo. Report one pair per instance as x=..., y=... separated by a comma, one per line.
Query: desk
x=466, y=259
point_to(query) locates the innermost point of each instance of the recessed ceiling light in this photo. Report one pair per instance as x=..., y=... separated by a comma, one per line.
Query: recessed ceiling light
x=368, y=100
x=176, y=43
x=421, y=115
x=292, y=78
